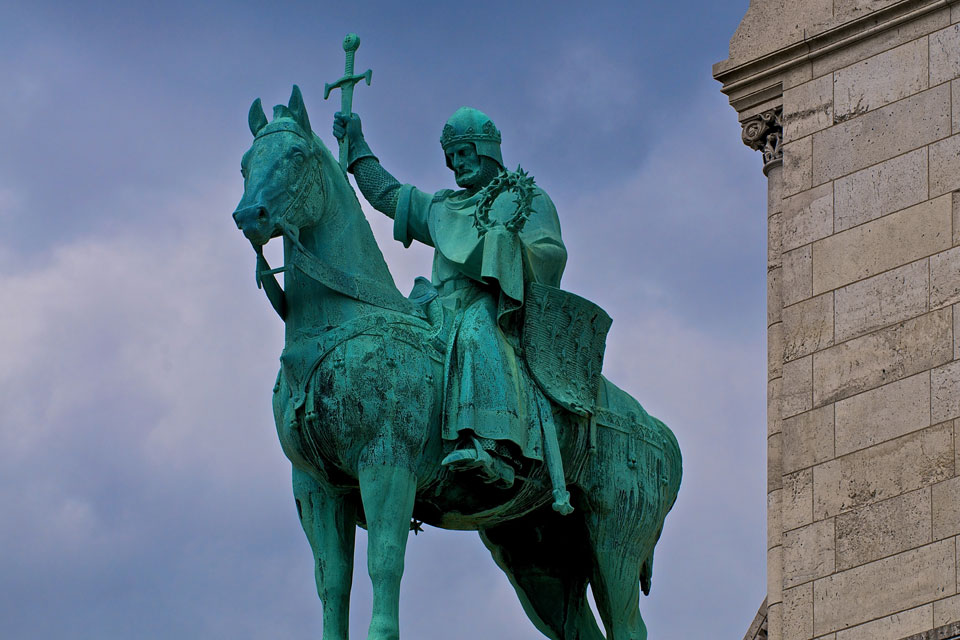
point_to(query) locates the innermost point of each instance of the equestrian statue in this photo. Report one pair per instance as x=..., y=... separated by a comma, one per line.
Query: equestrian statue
x=475, y=403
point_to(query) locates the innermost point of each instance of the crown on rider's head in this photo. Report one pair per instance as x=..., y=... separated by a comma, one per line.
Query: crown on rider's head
x=487, y=132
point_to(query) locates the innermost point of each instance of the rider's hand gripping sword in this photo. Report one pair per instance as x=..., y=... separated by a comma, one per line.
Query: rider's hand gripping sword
x=346, y=84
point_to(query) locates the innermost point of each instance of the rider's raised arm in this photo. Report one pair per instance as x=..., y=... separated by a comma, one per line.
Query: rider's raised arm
x=377, y=185
x=408, y=206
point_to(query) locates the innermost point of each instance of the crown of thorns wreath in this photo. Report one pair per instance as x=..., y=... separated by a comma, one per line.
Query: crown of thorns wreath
x=522, y=185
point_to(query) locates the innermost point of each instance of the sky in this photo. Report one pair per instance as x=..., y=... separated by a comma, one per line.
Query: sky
x=143, y=492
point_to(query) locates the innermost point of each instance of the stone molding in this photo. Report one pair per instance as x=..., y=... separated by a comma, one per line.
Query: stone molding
x=753, y=84
x=764, y=132
x=758, y=629
x=947, y=632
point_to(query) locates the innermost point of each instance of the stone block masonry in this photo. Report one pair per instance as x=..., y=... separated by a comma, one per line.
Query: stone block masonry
x=855, y=106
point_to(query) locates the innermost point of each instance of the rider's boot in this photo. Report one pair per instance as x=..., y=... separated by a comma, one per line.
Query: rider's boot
x=480, y=455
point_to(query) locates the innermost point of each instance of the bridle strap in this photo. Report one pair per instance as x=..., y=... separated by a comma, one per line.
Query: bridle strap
x=352, y=286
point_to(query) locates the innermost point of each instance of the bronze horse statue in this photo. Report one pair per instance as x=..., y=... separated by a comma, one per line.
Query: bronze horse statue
x=358, y=403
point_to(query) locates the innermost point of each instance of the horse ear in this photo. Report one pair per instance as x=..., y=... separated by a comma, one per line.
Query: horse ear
x=257, y=119
x=299, y=111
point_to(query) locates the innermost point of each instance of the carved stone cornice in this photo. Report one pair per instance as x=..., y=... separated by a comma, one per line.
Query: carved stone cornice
x=764, y=132
x=752, y=82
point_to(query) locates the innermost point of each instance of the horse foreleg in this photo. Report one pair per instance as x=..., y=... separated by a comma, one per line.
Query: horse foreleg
x=388, y=494
x=330, y=522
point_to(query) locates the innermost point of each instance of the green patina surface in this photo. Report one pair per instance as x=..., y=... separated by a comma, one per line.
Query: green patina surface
x=475, y=403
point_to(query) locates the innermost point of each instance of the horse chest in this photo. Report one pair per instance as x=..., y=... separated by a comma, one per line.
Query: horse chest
x=362, y=403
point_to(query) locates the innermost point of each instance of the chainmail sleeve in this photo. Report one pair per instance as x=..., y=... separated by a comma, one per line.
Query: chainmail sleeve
x=377, y=185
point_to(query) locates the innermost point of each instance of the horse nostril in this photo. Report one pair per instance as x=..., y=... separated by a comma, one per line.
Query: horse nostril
x=251, y=215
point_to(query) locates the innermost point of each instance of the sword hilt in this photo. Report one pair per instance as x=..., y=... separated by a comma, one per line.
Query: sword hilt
x=350, y=45
x=345, y=84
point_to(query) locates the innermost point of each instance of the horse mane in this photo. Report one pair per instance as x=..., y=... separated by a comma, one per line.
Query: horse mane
x=350, y=224
x=346, y=241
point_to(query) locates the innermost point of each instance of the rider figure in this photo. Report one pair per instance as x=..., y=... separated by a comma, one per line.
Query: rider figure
x=491, y=409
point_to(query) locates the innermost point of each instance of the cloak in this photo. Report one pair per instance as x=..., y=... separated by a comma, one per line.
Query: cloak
x=445, y=221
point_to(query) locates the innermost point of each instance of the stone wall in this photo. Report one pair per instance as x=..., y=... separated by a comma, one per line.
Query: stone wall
x=858, y=120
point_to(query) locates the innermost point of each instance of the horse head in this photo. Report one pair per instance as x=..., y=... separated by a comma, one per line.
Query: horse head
x=283, y=173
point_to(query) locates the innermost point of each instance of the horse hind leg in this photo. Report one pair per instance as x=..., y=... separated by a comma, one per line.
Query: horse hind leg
x=329, y=520
x=618, y=555
x=388, y=494
x=544, y=559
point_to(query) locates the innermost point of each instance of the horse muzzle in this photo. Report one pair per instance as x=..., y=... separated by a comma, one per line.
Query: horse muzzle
x=255, y=223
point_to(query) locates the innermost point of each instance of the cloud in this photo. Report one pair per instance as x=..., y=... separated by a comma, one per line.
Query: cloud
x=683, y=229
x=127, y=434
x=584, y=86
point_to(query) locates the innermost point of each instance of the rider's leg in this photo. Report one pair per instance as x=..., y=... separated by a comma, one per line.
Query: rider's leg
x=486, y=407
x=388, y=494
x=487, y=456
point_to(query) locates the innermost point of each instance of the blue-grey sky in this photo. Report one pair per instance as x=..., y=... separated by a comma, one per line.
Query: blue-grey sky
x=143, y=492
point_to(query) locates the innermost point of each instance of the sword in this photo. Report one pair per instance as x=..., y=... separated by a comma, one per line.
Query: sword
x=350, y=45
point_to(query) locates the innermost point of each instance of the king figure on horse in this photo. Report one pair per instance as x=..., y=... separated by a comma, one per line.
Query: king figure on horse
x=475, y=403
x=480, y=268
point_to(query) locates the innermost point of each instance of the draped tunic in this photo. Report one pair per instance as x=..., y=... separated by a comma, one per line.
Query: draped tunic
x=481, y=279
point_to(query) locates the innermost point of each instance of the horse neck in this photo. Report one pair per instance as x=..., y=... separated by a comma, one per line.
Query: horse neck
x=342, y=239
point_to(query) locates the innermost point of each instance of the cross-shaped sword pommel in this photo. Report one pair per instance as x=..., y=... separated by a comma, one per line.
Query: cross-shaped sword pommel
x=350, y=45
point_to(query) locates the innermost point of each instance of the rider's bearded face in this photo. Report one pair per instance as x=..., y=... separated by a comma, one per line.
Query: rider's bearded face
x=466, y=164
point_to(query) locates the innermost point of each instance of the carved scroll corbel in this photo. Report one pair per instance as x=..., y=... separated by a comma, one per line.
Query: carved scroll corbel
x=764, y=132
